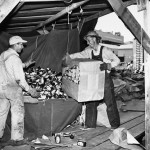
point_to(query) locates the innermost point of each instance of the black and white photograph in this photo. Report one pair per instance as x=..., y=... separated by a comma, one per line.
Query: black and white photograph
x=74, y=75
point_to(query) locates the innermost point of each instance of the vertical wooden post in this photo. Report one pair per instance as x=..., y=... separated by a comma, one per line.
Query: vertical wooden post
x=147, y=77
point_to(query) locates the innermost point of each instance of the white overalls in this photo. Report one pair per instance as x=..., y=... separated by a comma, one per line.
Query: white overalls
x=14, y=97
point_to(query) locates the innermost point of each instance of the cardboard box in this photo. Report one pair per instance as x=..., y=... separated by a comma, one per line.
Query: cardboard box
x=83, y=80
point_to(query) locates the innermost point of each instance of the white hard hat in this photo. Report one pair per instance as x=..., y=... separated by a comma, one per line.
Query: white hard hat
x=16, y=39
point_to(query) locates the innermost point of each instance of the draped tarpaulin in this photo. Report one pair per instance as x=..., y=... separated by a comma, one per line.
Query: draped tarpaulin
x=46, y=118
x=50, y=116
x=47, y=50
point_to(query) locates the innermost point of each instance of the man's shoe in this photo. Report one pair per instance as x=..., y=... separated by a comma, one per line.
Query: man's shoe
x=113, y=128
x=87, y=128
x=2, y=140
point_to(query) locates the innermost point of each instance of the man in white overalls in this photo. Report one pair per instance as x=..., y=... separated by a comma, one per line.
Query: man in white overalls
x=14, y=99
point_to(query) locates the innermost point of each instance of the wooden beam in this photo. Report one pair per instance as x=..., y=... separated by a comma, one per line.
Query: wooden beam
x=94, y=6
x=53, y=9
x=20, y=29
x=147, y=78
x=131, y=2
x=18, y=7
x=26, y=24
x=6, y=6
x=56, y=9
x=28, y=29
x=97, y=15
x=107, y=11
x=130, y=22
x=63, y=12
x=43, y=17
x=34, y=18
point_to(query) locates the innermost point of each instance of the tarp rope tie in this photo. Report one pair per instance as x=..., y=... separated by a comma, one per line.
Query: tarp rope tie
x=32, y=55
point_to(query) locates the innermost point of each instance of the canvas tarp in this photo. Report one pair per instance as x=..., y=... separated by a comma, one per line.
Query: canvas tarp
x=51, y=116
x=48, y=49
x=47, y=118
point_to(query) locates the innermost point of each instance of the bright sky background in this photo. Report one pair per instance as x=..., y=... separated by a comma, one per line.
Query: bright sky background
x=111, y=23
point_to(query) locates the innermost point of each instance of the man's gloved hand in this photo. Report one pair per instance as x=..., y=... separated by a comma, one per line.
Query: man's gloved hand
x=29, y=62
x=33, y=92
x=66, y=60
x=105, y=66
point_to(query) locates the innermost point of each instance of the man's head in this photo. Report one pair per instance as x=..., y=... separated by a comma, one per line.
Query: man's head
x=16, y=42
x=93, y=39
x=93, y=34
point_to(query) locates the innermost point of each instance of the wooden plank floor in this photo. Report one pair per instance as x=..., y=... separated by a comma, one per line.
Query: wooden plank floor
x=97, y=139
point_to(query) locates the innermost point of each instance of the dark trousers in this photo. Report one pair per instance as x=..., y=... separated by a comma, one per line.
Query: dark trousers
x=91, y=114
x=109, y=99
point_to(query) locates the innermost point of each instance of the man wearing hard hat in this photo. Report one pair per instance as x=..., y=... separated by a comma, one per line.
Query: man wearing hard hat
x=14, y=99
x=97, y=51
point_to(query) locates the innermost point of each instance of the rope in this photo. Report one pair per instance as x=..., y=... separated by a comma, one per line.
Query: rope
x=68, y=42
x=32, y=55
x=67, y=51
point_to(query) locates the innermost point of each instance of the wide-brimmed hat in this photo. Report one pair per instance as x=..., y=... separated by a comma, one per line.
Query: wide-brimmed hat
x=16, y=39
x=92, y=34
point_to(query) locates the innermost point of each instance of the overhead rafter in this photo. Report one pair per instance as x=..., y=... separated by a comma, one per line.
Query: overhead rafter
x=105, y=12
x=54, y=9
x=62, y=21
x=131, y=2
x=23, y=21
x=93, y=6
x=63, y=12
x=25, y=17
x=34, y=16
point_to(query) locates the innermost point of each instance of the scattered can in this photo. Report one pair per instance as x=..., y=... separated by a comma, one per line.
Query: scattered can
x=57, y=139
x=81, y=143
x=71, y=136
